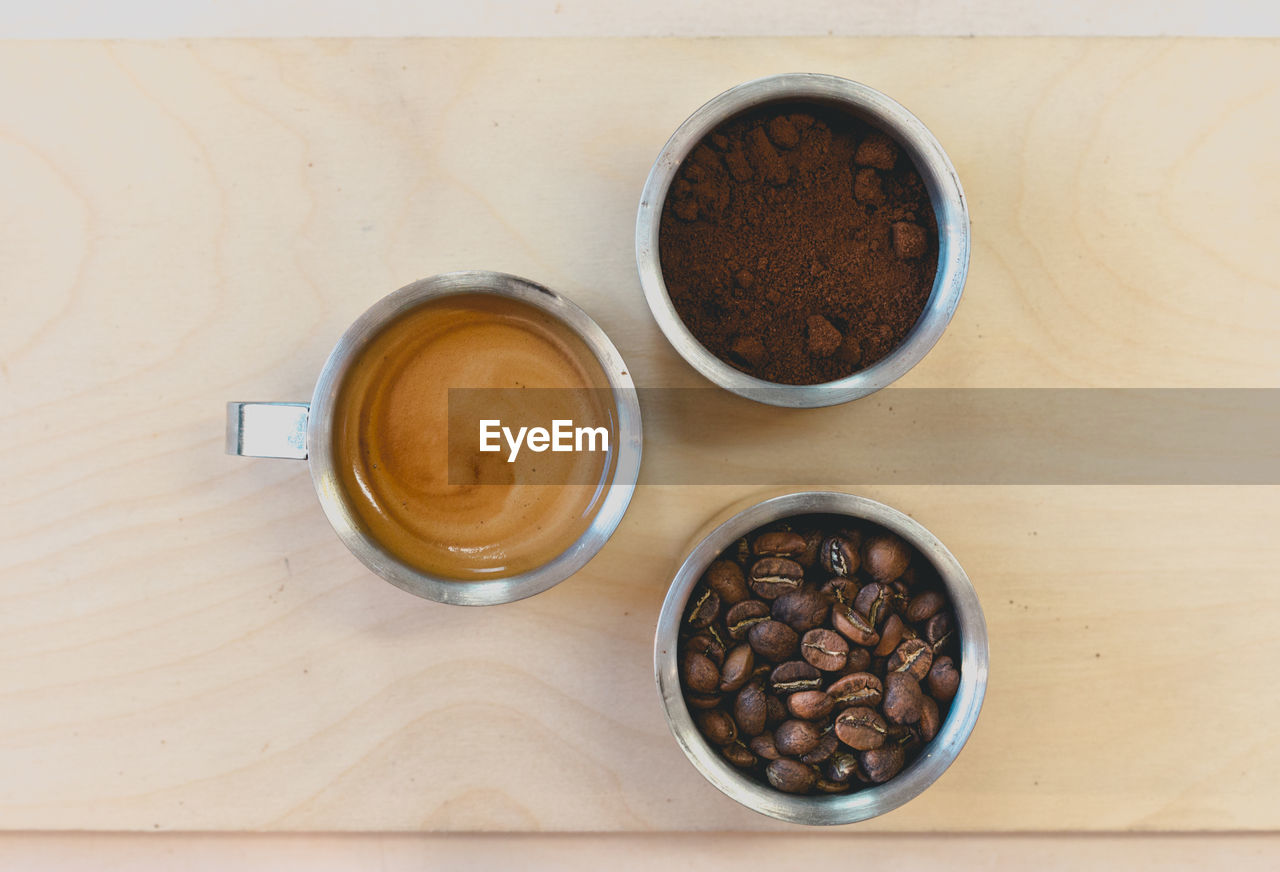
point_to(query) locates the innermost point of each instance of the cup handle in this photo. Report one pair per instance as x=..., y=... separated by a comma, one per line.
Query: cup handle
x=268, y=429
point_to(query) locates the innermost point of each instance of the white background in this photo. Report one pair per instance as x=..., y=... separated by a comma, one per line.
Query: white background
x=150, y=19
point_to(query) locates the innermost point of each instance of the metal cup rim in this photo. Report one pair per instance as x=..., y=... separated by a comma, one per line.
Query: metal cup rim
x=945, y=192
x=869, y=802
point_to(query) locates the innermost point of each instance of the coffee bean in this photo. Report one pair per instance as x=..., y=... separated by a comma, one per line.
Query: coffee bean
x=881, y=764
x=738, y=666
x=913, y=656
x=911, y=576
x=903, y=698
x=890, y=635
x=726, y=579
x=717, y=634
x=825, y=684
x=808, y=558
x=796, y=737
x=860, y=728
x=794, y=676
x=810, y=705
x=802, y=610
x=790, y=776
x=858, y=689
x=826, y=746
x=743, y=616
x=703, y=700
x=937, y=632
x=704, y=644
x=825, y=650
x=839, y=590
x=925, y=605
x=773, y=640
x=859, y=661
x=739, y=755
x=779, y=544
x=771, y=577
x=749, y=710
x=930, y=719
x=705, y=608
x=873, y=601
x=839, y=557
x=841, y=767
x=763, y=746
x=885, y=557
x=853, y=625
x=717, y=726
x=905, y=736
x=775, y=711
x=700, y=673
x=944, y=679
x=898, y=606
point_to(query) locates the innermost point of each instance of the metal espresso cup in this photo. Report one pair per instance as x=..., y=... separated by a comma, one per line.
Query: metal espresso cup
x=945, y=193
x=937, y=754
x=304, y=431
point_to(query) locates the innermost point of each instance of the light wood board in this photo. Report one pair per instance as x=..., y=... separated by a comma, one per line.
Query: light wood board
x=184, y=644
x=624, y=852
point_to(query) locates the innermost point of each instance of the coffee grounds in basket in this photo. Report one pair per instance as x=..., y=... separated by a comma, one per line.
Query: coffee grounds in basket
x=798, y=244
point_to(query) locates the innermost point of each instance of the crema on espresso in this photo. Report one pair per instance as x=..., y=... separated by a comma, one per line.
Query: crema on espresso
x=490, y=518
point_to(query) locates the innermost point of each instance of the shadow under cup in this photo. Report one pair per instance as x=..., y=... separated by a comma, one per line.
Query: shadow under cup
x=395, y=455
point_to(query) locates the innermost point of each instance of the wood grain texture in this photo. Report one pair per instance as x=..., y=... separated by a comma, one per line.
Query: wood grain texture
x=184, y=644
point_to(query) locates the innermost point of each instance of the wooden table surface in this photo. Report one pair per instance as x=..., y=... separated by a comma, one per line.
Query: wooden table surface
x=184, y=644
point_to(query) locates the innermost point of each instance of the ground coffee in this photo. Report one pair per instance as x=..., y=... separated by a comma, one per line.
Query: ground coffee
x=798, y=244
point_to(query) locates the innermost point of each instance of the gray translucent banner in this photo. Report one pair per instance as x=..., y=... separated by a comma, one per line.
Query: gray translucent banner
x=944, y=436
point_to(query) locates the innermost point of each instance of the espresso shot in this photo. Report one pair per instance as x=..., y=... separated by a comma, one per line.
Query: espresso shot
x=421, y=482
